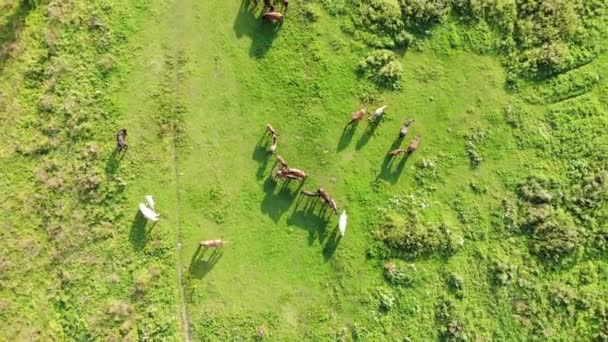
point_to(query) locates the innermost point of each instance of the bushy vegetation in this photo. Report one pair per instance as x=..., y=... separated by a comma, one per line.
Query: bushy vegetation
x=383, y=68
x=496, y=228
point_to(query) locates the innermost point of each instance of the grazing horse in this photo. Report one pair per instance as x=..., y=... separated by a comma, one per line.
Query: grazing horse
x=121, y=140
x=357, y=116
x=310, y=193
x=273, y=147
x=414, y=144
x=285, y=174
x=271, y=130
x=212, y=243
x=397, y=152
x=273, y=17
x=378, y=113
x=328, y=200
x=282, y=161
x=297, y=173
x=405, y=127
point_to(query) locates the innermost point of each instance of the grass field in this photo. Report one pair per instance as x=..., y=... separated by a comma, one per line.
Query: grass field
x=494, y=229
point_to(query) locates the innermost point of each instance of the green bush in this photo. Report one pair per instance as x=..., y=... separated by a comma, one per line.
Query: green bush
x=383, y=68
x=555, y=239
x=399, y=274
x=421, y=13
x=382, y=25
x=413, y=239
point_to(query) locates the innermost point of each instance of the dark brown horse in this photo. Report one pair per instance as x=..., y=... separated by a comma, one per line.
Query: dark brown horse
x=273, y=17
x=121, y=140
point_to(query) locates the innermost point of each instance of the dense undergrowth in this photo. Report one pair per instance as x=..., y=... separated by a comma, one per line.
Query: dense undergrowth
x=69, y=272
x=551, y=51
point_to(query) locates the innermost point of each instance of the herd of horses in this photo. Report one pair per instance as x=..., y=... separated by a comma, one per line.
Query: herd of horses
x=287, y=173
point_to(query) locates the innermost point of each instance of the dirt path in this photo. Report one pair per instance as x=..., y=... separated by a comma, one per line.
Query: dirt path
x=181, y=12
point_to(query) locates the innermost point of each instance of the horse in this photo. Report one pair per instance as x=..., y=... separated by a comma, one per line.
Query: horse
x=271, y=130
x=397, y=152
x=121, y=140
x=282, y=161
x=273, y=17
x=212, y=243
x=273, y=147
x=378, y=113
x=297, y=173
x=310, y=193
x=404, y=128
x=357, y=116
x=414, y=144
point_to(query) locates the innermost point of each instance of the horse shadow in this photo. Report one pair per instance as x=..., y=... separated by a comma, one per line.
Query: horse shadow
x=140, y=231
x=347, y=136
x=199, y=266
x=261, y=155
x=367, y=135
x=261, y=32
x=114, y=162
x=276, y=203
x=9, y=32
x=331, y=245
x=311, y=215
x=390, y=172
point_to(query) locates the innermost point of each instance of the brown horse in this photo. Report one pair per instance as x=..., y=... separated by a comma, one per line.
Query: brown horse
x=310, y=193
x=121, y=140
x=328, y=200
x=281, y=161
x=397, y=152
x=285, y=174
x=273, y=17
x=357, y=116
x=297, y=173
x=414, y=144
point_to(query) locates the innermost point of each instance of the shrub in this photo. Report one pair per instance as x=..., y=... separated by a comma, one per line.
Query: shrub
x=382, y=24
x=514, y=114
x=383, y=68
x=451, y=327
x=423, y=12
x=456, y=284
x=503, y=274
x=538, y=191
x=399, y=274
x=413, y=239
x=387, y=299
x=554, y=239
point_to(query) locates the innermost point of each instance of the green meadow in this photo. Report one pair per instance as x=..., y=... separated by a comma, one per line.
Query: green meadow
x=495, y=228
